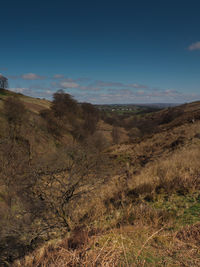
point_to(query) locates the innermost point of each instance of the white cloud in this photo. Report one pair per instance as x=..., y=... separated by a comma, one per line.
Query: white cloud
x=194, y=46
x=66, y=85
x=152, y=96
x=31, y=76
x=48, y=92
x=19, y=90
x=118, y=84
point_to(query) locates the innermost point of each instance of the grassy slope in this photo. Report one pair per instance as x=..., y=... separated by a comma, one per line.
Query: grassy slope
x=32, y=104
x=34, y=131
x=154, y=221
x=181, y=114
x=148, y=214
x=149, y=229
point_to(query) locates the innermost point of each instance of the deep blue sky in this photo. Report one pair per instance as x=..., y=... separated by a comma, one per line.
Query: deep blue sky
x=103, y=51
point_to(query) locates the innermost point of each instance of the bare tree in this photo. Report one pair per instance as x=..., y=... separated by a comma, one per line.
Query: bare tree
x=15, y=114
x=54, y=125
x=3, y=82
x=60, y=190
x=116, y=135
x=91, y=117
x=63, y=105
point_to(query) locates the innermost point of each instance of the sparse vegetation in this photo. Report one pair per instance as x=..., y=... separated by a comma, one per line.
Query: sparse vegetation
x=70, y=197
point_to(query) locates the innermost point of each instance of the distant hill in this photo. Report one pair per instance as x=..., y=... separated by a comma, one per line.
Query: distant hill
x=174, y=116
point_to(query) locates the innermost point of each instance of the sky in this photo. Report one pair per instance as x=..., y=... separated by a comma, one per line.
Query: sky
x=102, y=52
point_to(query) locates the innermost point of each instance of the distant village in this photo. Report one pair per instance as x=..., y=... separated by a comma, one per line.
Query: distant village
x=117, y=107
x=133, y=108
x=128, y=108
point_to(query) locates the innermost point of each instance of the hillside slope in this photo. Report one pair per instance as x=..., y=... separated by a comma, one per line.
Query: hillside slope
x=139, y=204
x=147, y=215
x=33, y=104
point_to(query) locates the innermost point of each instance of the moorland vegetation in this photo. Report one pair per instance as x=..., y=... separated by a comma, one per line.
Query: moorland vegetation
x=82, y=187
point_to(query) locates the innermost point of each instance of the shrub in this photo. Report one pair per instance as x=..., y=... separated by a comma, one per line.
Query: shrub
x=91, y=117
x=15, y=113
x=63, y=105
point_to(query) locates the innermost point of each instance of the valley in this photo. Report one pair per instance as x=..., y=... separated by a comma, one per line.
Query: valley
x=108, y=185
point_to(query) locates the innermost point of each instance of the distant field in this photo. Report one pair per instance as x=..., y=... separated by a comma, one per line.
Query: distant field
x=128, y=109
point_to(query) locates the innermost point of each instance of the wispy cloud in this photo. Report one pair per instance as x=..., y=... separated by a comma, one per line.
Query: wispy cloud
x=118, y=84
x=108, y=84
x=21, y=90
x=89, y=88
x=65, y=85
x=128, y=96
x=83, y=79
x=194, y=46
x=34, y=92
x=58, y=76
x=32, y=76
x=136, y=85
x=69, y=83
x=67, y=79
x=99, y=96
x=98, y=91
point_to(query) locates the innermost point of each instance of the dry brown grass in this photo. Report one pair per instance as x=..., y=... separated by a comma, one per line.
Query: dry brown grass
x=59, y=254
x=128, y=246
x=133, y=231
x=173, y=171
x=178, y=172
x=190, y=234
